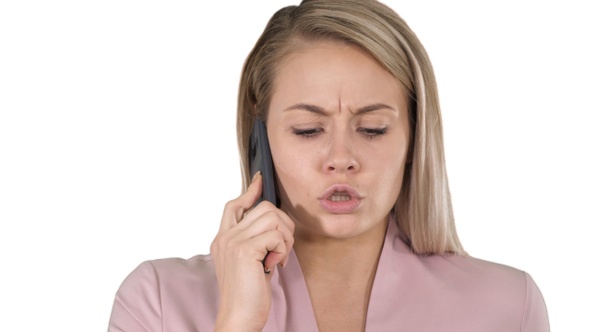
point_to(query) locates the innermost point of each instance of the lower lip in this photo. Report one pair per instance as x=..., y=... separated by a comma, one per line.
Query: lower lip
x=340, y=207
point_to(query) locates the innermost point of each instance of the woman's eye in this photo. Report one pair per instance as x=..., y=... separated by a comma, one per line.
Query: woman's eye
x=307, y=132
x=372, y=132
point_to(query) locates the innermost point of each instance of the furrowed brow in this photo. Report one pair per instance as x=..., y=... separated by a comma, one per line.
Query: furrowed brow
x=320, y=111
x=374, y=107
x=307, y=107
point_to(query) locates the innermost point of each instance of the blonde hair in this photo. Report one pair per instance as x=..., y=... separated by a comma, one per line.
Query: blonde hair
x=423, y=211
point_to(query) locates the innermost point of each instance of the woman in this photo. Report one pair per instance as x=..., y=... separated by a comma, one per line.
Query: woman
x=363, y=237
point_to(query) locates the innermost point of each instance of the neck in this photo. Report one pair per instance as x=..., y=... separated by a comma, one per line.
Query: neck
x=339, y=275
x=343, y=259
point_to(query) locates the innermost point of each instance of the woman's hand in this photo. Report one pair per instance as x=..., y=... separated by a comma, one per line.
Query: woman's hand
x=264, y=234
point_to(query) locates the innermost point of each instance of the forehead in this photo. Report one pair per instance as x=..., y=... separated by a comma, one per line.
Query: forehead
x=324, y=72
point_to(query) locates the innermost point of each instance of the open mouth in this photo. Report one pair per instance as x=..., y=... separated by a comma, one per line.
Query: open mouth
x=340, y=196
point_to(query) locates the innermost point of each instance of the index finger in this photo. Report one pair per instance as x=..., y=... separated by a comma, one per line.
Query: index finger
x=235, y=209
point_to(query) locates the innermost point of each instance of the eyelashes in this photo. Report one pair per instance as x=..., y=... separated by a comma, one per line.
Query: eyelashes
x=367, y=132
x=307, y=133
x=372, y=132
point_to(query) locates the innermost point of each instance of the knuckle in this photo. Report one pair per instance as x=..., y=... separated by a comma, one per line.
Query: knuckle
x=291, y=225
x=221, y=238
x=278, y=236
x=231, y=205
x=274, y=215
x=266, y=205
x=221, y=242
x=213, y=248
x=271, y=220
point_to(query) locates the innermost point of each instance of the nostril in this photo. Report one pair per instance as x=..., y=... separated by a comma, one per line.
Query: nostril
x=342, y=165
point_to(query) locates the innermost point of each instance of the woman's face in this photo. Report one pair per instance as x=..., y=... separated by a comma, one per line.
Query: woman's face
x=338, y=132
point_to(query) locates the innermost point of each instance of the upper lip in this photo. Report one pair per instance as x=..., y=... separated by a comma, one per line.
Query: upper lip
x=340, y=188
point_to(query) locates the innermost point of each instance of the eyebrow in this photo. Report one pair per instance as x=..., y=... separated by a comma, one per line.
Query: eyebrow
x=321, y=111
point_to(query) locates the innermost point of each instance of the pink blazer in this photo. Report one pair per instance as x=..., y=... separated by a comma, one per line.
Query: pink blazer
x=410, y=293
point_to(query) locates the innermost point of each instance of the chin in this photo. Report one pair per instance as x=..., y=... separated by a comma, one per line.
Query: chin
x=335, y=226
x=310, y=223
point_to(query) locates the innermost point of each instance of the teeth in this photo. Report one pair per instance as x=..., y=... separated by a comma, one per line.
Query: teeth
x=337, y=197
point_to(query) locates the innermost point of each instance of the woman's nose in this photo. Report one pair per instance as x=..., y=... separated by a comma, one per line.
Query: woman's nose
x=340, y=157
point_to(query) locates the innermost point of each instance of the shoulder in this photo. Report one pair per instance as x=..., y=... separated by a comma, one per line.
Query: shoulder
x=171, y=287
x=459, y=291
x=170, y=273
x=497, y=291
x=473, y=272
x=197, y=269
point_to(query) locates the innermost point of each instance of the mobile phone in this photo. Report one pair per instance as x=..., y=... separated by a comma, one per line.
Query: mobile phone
x=260, y=159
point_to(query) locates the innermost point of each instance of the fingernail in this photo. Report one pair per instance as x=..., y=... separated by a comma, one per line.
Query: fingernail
x=256, y=176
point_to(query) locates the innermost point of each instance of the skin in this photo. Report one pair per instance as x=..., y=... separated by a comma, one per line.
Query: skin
x=335, y=117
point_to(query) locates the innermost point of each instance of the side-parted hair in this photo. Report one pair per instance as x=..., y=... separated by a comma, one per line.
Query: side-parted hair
x=423, y=211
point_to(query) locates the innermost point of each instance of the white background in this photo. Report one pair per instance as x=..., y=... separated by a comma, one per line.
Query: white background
x=117, y=141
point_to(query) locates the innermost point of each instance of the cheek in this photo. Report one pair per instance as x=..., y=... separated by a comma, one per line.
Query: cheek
x=293, y=170
x=390, y=166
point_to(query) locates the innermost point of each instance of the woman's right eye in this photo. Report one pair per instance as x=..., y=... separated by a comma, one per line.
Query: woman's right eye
x=307, y=133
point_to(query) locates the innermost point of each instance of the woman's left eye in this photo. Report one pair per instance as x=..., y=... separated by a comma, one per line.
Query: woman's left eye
x=307, y=133
x=372, y=132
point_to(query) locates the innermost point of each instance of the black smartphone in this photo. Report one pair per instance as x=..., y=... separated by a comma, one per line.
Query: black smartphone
x=260, y=159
